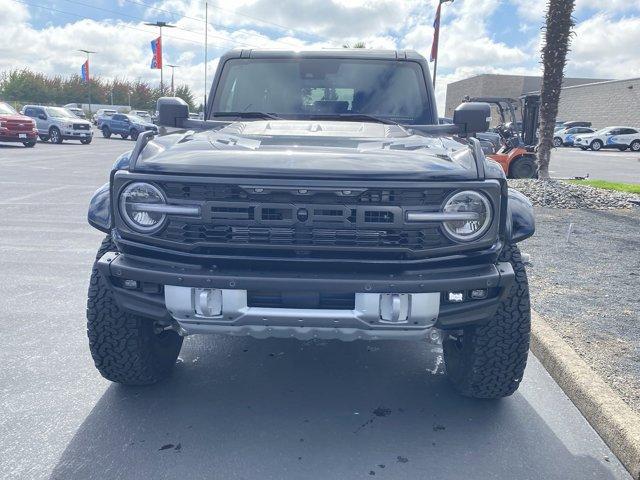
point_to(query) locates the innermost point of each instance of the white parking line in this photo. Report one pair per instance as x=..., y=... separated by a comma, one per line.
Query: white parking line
x=10, y=201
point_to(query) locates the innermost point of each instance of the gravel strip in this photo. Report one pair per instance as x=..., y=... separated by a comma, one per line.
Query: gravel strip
x=585, y=279
x=559, y=194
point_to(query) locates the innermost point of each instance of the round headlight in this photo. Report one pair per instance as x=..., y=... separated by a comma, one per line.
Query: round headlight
x=478, y=208
x=136, y=207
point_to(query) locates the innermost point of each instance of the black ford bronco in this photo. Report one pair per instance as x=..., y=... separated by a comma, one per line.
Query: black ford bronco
x=319, y=198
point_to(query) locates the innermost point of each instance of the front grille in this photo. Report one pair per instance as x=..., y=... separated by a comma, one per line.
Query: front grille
x=308, y=223
x=81, y=126
x=300, y=237
x=19, y=126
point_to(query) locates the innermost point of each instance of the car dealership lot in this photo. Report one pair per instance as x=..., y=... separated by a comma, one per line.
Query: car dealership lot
x=611, y=165
x=236, y=407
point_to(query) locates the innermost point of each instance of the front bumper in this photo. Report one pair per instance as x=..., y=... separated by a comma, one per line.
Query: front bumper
x=153, y=281
x=68, y=134
x=9, y=136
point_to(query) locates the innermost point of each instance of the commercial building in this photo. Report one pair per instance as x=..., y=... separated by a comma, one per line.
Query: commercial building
x=604, y=104
x=495, y=85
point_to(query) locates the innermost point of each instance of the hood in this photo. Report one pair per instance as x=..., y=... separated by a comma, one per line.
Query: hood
x=310, y=149
x=16, y=118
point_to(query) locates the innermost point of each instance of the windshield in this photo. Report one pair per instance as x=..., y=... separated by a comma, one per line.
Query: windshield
x=142, y=114
x=299, y=88
x=6, y=109
x=58, y=112
x=603, y=131
x=137, y=119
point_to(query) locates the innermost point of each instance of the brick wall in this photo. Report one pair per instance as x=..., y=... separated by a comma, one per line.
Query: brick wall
x=603, y=104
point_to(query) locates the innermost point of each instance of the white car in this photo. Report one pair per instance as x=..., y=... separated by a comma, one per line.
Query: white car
x=621, y=138
x=101, y=114
x=565, y=136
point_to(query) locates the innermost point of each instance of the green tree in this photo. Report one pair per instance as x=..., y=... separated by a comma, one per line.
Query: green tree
x=184, y=92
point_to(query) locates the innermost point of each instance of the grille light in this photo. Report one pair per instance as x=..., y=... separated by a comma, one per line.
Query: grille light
x=476, y=206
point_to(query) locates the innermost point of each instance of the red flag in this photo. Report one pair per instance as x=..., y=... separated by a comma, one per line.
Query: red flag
x=436, y=35
x=156, y=48
x=85, y=71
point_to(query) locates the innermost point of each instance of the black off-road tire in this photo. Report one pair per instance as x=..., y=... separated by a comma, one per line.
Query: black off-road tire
x=134, y=134
x=106, y=131
x=85, y=141
x=125, y=347
x=29, y=144
x=488, y=360
x=635, y=146
x=124, y=136
x=557, y=142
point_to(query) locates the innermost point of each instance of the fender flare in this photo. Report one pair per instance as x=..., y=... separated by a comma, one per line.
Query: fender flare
x=521, y=222
x=100, y=215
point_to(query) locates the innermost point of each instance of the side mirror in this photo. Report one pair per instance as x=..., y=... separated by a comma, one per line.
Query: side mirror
x=172, y=111
x=472, y=117
x=42, y=116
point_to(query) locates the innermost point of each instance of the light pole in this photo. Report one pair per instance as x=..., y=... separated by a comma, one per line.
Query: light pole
x=436, y=38
x=88, y=77
x=173, y=69
x=160, y=25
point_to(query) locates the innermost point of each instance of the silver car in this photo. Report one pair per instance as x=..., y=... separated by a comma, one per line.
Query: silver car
x=58, y=124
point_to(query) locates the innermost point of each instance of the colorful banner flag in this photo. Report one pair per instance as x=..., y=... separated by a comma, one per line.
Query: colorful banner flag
x=85, y=71
x=156, y=48
x=436, y=35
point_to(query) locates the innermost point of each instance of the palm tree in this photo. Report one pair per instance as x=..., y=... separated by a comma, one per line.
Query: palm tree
x=355, y=45
x=558, y=31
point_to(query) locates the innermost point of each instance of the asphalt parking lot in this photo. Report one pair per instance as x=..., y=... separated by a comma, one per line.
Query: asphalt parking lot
x=235, y=408
x=611, y=165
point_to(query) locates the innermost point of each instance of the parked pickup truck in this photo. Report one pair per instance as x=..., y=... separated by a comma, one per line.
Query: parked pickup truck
x=318, y=199
x=126, y=126
x=16, y=128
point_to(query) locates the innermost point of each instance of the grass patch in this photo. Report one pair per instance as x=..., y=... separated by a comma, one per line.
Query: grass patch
x=617, y=186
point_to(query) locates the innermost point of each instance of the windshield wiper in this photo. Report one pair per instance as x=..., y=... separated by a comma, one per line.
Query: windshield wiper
x=356, y=117
x=247, y=115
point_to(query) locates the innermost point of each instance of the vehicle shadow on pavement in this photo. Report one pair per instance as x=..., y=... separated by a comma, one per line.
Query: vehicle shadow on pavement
x=278, y=409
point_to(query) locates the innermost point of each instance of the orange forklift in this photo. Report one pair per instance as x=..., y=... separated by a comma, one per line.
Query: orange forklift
x=517, y=155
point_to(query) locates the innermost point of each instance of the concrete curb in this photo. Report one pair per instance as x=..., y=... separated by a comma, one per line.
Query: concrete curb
x=607, y=413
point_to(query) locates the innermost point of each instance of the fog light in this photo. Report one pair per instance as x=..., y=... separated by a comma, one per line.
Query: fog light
x=207, y=301
x=479, y=294
x=130, y=284
x=455, y=297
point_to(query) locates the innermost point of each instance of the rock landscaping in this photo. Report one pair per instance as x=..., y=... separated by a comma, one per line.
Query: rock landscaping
x=560, y=194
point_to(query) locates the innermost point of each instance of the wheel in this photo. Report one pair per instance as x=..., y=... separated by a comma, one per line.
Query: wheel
x=488, y=360
x=124, y=136
x=596, y=145
x=44, y=138
x=29, y=144
x=106, y=131
x=126, y=348
x=557, y=142
x=524, y=167
x=85, y=141
x=134, y=134
x=55, y=135
x=635, y=146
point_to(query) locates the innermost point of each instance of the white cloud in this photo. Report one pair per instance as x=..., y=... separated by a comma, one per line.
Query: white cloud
x=605, y=47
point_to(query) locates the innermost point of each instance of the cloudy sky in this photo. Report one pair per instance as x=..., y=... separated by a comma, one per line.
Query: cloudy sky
x=478, y=36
